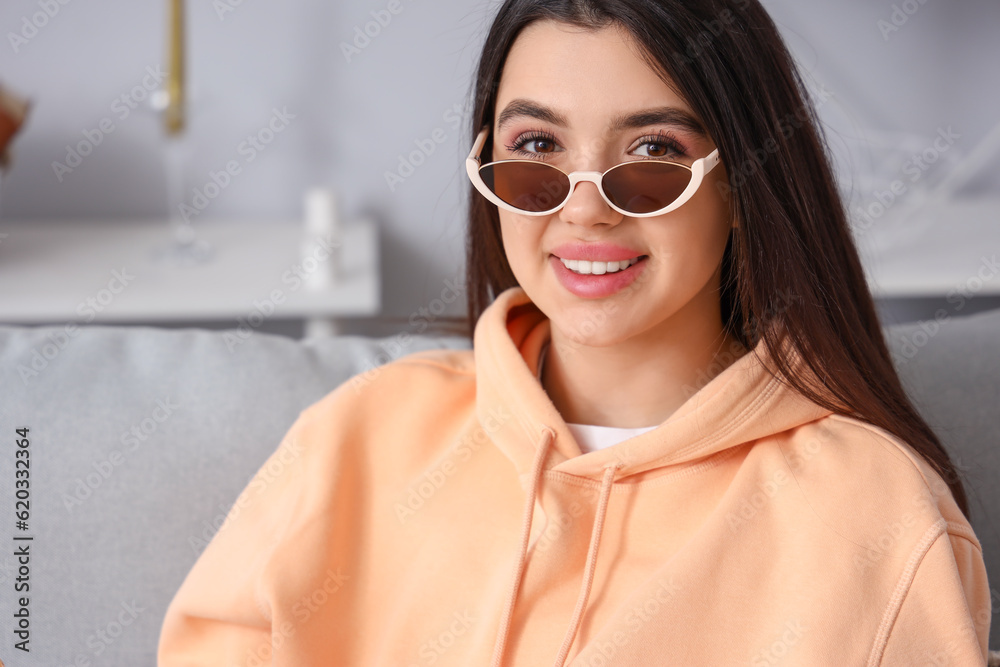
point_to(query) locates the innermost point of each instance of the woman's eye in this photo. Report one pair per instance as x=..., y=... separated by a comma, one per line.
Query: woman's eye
x=534, y=145
x=539, y=146
x=656, y=149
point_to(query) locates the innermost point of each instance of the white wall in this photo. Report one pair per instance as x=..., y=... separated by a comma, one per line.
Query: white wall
x=353, y=119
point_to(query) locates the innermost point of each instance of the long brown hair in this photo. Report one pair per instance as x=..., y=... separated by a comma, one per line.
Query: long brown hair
x=727, y=59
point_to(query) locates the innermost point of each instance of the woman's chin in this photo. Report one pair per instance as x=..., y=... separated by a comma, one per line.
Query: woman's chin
x=593, y=329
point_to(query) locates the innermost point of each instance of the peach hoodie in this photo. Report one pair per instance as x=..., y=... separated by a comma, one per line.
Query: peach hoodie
x=437, y=511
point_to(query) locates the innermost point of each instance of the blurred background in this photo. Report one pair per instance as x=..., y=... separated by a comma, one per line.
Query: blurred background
x=315, y=183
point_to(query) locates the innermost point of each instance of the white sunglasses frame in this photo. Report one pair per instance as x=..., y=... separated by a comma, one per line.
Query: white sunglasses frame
x=473, y=165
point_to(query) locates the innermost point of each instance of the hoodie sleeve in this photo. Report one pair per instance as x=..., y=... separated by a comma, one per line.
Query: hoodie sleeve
x=944, y=618
x=221, y=614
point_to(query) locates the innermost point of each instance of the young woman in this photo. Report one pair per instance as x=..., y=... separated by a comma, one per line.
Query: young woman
x=678, y=439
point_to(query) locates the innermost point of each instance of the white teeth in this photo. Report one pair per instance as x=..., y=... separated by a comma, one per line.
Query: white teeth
x=586, y=267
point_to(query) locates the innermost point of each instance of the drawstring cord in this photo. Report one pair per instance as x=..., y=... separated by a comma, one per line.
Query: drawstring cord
x=529, y=508
x=588, y=578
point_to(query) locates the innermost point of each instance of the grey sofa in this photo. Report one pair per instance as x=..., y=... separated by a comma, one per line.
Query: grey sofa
x=141, y=438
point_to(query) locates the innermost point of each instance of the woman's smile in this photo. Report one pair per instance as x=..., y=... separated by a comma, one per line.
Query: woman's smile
x=596, y=270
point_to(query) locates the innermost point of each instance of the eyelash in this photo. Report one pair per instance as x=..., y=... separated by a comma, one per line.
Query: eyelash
x=522, y=139
x=667, y=140
x=664, y=139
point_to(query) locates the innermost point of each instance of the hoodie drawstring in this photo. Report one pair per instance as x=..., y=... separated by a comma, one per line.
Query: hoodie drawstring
x=588, y=575
x=595, y=539
x=515, y=584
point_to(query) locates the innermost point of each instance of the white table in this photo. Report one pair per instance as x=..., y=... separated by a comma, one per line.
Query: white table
x=86, y=271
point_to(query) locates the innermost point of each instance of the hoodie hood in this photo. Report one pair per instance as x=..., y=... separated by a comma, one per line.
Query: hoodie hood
x=731, y=409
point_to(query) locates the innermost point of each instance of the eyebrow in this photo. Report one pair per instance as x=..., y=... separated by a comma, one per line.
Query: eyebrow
x=520, y=107
x=660, y=116
x=631, y=121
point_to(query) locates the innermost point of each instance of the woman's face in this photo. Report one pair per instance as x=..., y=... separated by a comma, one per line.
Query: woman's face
x=585, y=100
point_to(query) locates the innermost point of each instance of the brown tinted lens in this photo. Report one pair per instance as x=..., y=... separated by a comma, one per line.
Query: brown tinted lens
x=644, y=186
x=527, y=186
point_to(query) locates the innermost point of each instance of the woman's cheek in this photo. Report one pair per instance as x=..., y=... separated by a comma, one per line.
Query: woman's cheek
x=520, y=246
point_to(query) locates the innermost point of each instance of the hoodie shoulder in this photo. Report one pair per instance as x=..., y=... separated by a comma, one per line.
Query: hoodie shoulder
x=423, y=373
x=418, y=393
x=457, y=361
x=863, y=481
x=407, y=380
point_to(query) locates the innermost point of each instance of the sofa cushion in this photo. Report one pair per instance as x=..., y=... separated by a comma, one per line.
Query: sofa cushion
x=140, y=441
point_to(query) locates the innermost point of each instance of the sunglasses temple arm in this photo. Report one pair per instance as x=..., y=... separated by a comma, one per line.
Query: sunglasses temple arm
x=711, y=160
x=477, y=146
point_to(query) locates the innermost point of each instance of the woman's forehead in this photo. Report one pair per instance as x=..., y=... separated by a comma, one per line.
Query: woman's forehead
x=578, y=73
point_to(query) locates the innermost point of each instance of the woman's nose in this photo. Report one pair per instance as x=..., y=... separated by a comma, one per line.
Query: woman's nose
x=587, y=207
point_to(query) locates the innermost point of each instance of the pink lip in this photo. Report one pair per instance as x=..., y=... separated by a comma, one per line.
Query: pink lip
x=606, y=252
x=596, y=287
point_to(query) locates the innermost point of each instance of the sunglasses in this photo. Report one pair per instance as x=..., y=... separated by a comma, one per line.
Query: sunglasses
x=638, y=188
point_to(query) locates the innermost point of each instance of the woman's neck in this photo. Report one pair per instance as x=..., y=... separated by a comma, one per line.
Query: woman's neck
x=641, y=381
